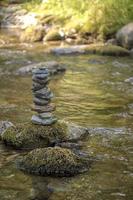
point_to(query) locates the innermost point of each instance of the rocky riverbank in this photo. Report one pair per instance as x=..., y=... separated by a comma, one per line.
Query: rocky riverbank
x=38, y=27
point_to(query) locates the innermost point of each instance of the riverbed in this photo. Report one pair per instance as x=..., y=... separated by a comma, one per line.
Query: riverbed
x=95, y=92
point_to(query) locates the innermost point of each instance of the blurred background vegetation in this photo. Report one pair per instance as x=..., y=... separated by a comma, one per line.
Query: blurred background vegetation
x=99, y=17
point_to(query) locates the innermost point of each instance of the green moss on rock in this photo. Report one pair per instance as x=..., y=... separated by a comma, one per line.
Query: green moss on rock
x=32, y=34
x=53, y=35
x=54, y=161
x=29, y=136
x=109, y=50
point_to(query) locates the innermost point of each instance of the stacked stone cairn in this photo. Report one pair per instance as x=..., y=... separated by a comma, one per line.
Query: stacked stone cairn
x=42, y=98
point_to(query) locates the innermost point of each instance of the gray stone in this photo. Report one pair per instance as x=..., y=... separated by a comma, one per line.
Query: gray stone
x=41, y=102
x=125, y=36
x=53, y=67
x=41, y=81
x=76, y=132
x=46, y=108
x=45, y=115
x=39, y=121
x=37, y=86
x=129, y=80
x=46, y=96
x=112, y=41
x=40, y=71
x=4, y=125
x=68, y=50
x=43, y=91
x=41, y=76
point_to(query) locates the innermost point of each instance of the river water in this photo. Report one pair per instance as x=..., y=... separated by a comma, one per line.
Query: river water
x=94, y=92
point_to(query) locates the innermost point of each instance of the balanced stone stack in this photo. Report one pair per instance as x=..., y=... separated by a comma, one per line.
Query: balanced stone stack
x=42, y=98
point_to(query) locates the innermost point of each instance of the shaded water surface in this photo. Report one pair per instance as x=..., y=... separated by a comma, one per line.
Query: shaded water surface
x=94, y=92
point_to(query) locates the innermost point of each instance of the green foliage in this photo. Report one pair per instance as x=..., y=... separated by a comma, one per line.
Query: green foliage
x=95, y=16
x=100, y=17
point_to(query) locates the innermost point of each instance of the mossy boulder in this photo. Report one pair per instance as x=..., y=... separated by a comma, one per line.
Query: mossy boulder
x=32, y=34
x=53, y=161
x=30, y=136
x=53, y=35
x=125, y=36
x=102, y=49
x=109, y=50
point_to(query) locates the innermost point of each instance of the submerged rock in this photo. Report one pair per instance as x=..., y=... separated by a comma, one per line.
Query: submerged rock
x=30, y=136
x=53, y=161
x=53, y=67
x=101, y=49
x=68, y=50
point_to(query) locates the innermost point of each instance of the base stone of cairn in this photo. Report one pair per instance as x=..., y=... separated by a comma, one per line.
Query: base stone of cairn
x=42, y=98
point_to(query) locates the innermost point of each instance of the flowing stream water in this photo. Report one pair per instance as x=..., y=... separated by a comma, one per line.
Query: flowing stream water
x=94, y=91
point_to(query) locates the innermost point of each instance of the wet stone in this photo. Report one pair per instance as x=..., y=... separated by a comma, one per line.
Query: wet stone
x=39, y=121
x=42, y=98
x=43, y=91
x=40, y=71
x=46, y=108
x=37, y=86
x=41, y=102
x=41, y=81
x=45, y=115
x=41, y=76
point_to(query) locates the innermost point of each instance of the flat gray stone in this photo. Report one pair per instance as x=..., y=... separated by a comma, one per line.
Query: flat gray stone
x=68, y=50
x=41, y=76
x=46, y=108
x=46, y=96
x=41, y=81
x=45, y=115
x=43, y=91
x=40, y=71
x=41, y=102
x=38, y=121
x=53, y=67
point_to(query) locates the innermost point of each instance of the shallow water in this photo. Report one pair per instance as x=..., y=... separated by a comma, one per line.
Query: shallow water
x=95, y=92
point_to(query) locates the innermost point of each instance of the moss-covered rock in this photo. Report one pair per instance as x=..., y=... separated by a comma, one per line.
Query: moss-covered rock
x=54, y=161
x=125, y=36
x=109, y=50
x=102, y=49
x=30, y=136
x=32, y=34
x=53, y=35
